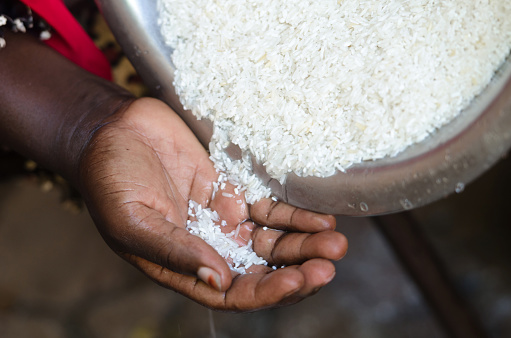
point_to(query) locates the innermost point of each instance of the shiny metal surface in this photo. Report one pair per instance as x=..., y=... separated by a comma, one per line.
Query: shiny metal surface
x=442, y=164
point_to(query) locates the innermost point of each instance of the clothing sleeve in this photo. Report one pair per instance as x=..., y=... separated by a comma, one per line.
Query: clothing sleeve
x=69, y=38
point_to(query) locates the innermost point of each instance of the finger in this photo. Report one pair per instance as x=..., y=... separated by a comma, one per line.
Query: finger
x=280, y=215
x=155, y=239
x=247, y=293
x=287, y=248
x=317, y=273
x=259, y=291
x=189, y=286
x=281, y=287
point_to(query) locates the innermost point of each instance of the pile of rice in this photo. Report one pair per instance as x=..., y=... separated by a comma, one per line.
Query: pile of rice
x=207, y=225
x=312, y=87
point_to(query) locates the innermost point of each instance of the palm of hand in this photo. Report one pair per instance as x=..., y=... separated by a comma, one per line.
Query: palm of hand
x=138, y=174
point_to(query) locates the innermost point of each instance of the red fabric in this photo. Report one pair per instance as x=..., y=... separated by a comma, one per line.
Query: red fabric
x=69, y=38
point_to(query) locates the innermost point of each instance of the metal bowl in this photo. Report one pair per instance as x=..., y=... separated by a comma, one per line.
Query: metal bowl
x=440, y=165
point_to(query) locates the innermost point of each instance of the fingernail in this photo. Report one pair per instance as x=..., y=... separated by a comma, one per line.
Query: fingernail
x=330, y=278
x=315, y=290
x=291, y=293
x=210, y=277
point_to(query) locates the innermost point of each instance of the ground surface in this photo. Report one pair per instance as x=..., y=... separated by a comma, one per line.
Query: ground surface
x=59, y=279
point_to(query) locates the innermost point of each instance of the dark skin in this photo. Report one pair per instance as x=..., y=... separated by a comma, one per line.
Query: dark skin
x=137, y=164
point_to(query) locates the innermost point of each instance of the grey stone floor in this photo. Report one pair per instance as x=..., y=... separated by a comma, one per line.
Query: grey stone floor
x=59, y=279
x=472, y=234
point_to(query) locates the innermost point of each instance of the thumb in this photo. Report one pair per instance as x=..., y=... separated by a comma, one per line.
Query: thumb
x=154, y=239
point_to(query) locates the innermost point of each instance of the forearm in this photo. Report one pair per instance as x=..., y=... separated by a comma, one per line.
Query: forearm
x=49, y=107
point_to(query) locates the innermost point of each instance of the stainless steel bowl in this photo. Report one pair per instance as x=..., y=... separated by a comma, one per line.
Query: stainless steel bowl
x=440, y=165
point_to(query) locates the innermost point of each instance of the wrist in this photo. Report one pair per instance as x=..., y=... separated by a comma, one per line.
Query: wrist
x=101, y=103
x=49, y=107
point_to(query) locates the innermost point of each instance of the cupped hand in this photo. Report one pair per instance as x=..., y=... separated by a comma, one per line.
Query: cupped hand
x=137, y=175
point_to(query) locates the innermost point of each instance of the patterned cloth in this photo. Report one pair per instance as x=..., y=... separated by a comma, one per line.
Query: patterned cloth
x=69, y=38
x=17, y=17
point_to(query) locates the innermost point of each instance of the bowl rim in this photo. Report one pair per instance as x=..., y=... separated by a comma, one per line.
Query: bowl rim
x=443, y=163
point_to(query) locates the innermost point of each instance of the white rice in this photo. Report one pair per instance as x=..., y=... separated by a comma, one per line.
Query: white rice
x=206, y=226
x=312, y=87
x=237, y=172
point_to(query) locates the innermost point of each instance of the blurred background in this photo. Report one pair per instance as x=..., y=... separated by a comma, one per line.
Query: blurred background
x=59, y=279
